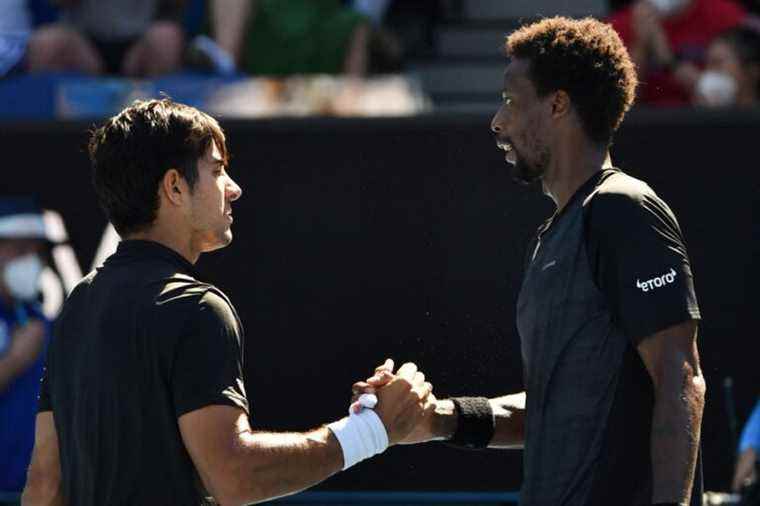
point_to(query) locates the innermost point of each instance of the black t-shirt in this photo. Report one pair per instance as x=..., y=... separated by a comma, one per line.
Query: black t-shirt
x=637, y=259
x=139, y=343
x=637, y=254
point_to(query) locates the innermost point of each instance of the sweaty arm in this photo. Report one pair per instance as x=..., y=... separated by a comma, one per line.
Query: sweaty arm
x=509, y=422
x=239, y=466
x=637, y=251
x=44, y=475
x=672, y=360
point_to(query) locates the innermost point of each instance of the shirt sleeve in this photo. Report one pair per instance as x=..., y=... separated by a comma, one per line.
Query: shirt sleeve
x=751, y=432
x=208, y=365
x=43, y=402
x=639, y=260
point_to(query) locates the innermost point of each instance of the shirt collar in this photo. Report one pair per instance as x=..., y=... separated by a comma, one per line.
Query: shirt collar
x=138, y=249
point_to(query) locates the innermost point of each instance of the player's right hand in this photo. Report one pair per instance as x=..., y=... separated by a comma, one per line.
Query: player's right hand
x=405, y=400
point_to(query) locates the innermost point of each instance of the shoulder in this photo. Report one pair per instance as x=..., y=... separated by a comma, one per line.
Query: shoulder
x=622, y=203
x=217, y=304
x=619, y=193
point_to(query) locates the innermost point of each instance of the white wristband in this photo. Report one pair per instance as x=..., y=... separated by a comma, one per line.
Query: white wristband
x=360, y=436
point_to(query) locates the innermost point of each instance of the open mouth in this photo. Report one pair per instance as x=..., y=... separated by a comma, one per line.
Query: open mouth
x=511, y=155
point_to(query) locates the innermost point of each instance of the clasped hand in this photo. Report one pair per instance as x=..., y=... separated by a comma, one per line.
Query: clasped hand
x=406, y=404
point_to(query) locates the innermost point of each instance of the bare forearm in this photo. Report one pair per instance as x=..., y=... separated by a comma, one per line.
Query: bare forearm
x=229, y=21
x=285, y=463
x=355, y=64
x=509, y=415
x=41, y=495
x=676, y=424
x=509, y=412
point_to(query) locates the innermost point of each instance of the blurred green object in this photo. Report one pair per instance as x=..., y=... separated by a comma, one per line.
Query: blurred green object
x=298, y=37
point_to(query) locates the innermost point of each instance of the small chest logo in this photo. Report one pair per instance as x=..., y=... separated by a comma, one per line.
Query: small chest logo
x=657, y=282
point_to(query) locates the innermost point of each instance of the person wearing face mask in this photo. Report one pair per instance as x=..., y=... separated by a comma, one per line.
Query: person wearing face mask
x=668, y=40
x=24, y=333
x=732, y=71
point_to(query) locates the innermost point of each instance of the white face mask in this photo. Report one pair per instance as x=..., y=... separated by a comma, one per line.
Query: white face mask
x=716, y=89
x=667, y=7
x=22, y=276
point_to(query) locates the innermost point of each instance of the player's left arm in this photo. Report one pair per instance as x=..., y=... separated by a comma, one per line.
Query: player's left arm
x=43, y=482
x=672, y=360
x=643, y=269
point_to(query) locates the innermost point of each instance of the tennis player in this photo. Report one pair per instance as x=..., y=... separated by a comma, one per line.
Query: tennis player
x=143, y=401
x=607, y=313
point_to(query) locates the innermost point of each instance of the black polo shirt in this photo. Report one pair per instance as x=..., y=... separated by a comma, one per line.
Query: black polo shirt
x=607, y=271
x=139, y=343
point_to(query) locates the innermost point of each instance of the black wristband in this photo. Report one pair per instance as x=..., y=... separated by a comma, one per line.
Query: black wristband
x=475, y=422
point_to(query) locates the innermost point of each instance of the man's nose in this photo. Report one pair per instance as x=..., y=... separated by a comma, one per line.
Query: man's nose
x=495, y=125
x=234, y=191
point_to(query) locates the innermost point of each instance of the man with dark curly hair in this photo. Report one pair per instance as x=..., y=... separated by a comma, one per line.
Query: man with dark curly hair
x=607, y=313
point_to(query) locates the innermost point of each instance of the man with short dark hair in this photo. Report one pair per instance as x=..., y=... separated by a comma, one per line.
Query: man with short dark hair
x=613, y=400
x=144, y=400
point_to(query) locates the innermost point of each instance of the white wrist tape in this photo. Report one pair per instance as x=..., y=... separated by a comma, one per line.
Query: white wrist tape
x=360, y=436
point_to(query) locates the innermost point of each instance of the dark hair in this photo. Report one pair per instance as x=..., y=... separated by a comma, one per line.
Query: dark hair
x=586, y=59
x=132, y=151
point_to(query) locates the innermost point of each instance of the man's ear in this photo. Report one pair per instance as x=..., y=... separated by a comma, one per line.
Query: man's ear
x=174, y=187
x=560, y=103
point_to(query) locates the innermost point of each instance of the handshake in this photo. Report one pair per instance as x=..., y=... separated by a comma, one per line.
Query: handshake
x=392, y=408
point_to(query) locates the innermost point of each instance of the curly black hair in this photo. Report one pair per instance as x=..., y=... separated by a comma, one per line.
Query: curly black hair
x=131, y=152
x=587, y=60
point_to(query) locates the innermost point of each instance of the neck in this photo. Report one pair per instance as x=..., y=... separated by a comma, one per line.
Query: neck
x=171, y=237
x=570, y=168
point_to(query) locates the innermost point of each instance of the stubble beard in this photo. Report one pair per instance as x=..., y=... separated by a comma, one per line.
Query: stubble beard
x=527, y=174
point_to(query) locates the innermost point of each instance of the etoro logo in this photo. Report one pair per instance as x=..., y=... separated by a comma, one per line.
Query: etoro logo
x=657, y=282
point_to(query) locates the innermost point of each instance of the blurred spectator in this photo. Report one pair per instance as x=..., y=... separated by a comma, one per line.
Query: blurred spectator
x=749, y=450
x=135, y=38
x=668, y=40
x=272, y=37
x=403, y=29
x=15, y=26
x=23, y=335
x=732, y=71
x=745, y=476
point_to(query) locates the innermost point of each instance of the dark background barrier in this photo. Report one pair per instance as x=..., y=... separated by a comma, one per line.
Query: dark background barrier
x=361, y=239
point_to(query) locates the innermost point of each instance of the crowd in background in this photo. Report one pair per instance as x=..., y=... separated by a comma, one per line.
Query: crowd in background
x=699, y=52
x=148, y=38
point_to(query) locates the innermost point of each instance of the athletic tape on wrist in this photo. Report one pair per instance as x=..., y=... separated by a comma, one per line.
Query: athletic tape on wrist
x=475, y=422
x=361, y=435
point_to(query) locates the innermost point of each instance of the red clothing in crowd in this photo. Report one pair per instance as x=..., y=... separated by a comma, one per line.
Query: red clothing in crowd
x=689, y=34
